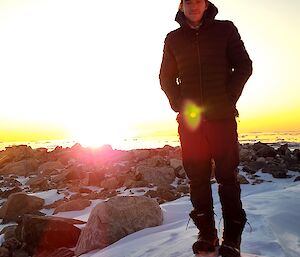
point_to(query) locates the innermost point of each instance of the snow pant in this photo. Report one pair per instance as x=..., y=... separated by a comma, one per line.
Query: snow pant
x=212, y=140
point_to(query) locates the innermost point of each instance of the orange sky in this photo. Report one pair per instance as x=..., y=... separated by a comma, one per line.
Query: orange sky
x=89, y=70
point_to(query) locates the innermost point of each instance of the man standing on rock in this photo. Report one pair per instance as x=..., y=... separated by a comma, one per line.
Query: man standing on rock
x=204, y=69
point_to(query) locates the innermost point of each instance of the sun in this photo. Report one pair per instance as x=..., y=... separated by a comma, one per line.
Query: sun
x=93, y=136
x=95, y=133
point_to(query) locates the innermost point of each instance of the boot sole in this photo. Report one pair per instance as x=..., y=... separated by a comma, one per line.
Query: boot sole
x=208, y=254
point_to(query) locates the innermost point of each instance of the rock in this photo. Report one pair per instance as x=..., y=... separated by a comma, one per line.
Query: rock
x=293, y=165
x=177, y=165
x=264, y=150
x=20, y=168
x=185, y=189
x=75, y=172
x=59, y=178
x=130, y=183
x=108, y=193
x=151, y=193
x=18, y=153
x=10, y=182
x=154, y=161
x=296, y=153
x=9, y=232
x=19, y=204
x=253, y=167
x=276, y=171
x=118, y=217
x=284, y=150
x=74, y=205
x=8, y=192
x=47, y=233
x=246, y=155
x=157, y=176
x=297, y=179
x=174, y=152
x=48, y=167
x=261, y=159
x=94, y=178
x=242, y=180
x=110, y=183
x=4, y=159
x=38, y=182
x=167, y=194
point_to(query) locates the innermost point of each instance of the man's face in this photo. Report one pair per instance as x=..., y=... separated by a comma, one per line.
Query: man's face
x=194, y=9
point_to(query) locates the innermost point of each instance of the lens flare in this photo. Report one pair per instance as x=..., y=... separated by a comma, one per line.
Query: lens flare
x=192, y=114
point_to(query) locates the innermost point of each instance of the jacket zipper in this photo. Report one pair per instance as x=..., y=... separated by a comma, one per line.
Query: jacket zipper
x=199, y=63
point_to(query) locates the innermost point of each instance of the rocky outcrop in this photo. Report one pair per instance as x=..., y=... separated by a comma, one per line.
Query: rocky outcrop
x=118, y=217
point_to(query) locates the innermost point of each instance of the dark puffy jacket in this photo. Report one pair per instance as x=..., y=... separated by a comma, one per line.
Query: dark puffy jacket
x=208, y=65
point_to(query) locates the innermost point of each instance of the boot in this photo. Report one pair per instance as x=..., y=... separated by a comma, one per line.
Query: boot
x=233, y=229
x=207, y=236
x=234, y=218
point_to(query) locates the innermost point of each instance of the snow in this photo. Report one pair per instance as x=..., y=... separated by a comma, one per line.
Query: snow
x=272, y=207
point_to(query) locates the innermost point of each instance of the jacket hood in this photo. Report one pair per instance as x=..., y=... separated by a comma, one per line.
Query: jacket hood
x=209, y=15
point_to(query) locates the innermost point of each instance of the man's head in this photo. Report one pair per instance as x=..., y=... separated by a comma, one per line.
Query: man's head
x=193, y=10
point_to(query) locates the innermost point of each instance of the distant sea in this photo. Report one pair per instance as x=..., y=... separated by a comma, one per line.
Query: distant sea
x=292, y=138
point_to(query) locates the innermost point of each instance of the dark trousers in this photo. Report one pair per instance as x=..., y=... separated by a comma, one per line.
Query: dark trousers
x=212, y=140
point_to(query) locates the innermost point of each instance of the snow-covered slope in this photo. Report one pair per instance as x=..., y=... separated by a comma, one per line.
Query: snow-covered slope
x=273, y=210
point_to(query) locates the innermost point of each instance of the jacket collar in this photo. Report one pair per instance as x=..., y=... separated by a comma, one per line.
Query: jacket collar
x=208, y=17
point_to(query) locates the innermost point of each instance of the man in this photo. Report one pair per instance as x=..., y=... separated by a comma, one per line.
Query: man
x=204, y=69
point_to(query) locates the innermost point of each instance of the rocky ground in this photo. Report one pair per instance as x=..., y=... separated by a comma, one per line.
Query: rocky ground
x=82, y=175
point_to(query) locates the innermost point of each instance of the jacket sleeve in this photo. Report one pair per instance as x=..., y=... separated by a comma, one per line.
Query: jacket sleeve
x=241, y=65
x=168, y=77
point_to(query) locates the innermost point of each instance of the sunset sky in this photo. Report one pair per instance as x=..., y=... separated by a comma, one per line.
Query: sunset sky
x=88, y=69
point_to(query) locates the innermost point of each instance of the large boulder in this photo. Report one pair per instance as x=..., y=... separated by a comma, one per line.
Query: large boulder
x=296, y=153
x=48, y=167
x=16, y=153
x=110, y=183
x=253, y=166
x=47, y=233
x=156, y=175
x=264, y=150
x=276, y=170
x=39, y=182
x=20, y=168
x=118, y=217
x=246, y=154
x=19, y=204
